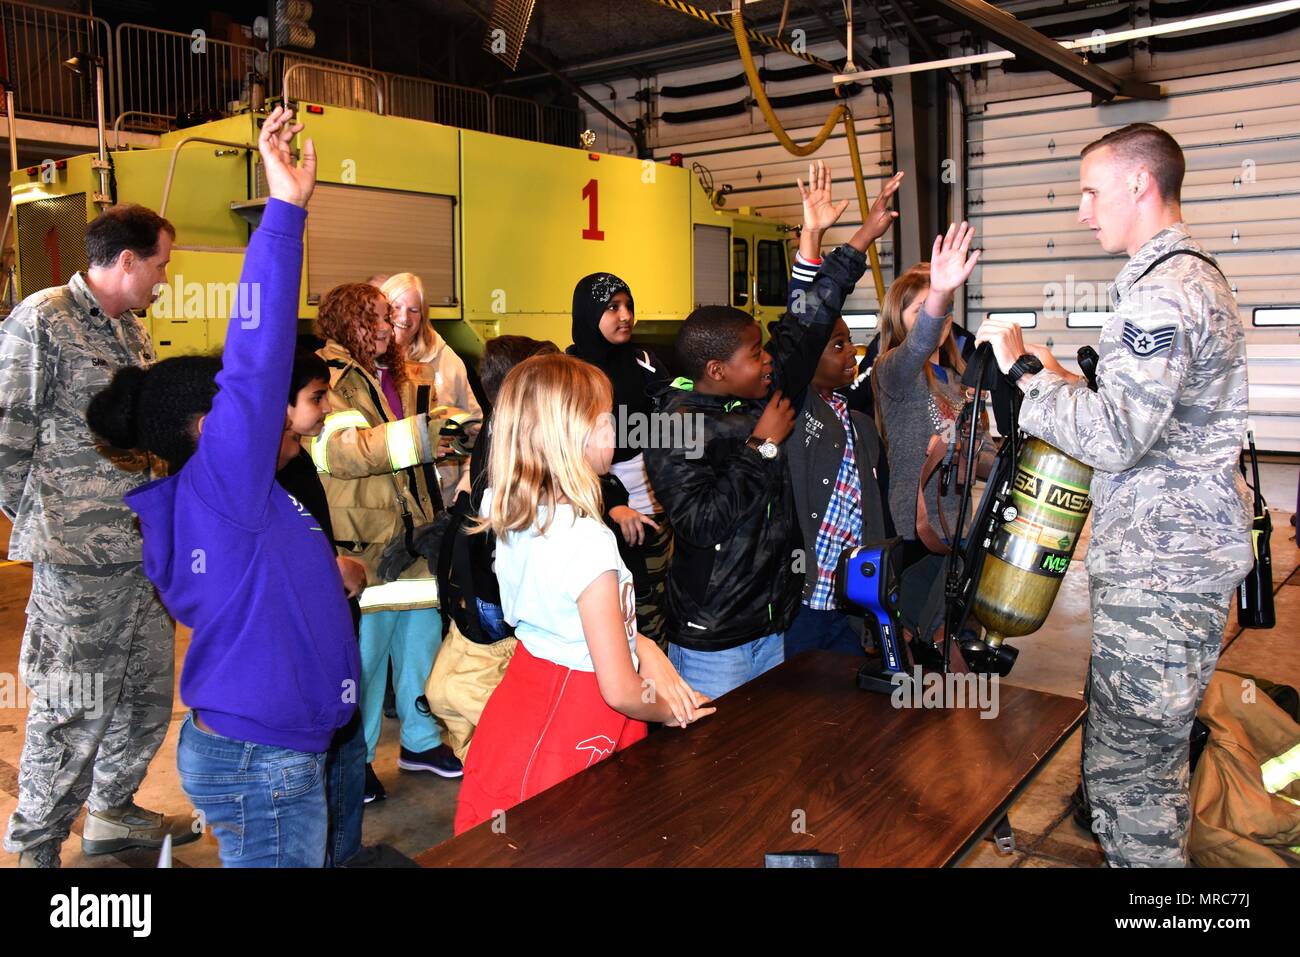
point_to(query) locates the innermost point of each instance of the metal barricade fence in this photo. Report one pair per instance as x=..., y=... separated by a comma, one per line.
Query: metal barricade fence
x=151, y=74
x=162, y=72
x=512, y=116
x=36, y=41
x=561, y=125
x=328, y=82
x=421, y=99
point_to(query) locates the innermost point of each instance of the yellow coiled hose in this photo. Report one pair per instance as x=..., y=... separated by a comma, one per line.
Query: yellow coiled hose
x=840, y=112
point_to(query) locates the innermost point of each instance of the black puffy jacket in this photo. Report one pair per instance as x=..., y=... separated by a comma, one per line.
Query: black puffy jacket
x=733, y=576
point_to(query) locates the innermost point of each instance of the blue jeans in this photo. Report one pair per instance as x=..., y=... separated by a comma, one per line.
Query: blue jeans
x=815, y=630
x=345, y=789
x=714, y=673
x=492, y=620
x=411, y=639
x=265, y=805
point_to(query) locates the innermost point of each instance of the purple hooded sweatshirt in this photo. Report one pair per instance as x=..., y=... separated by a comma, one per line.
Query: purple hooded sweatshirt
x=273, y=658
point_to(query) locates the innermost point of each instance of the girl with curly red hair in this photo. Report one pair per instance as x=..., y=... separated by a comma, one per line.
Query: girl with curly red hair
x=375, y=457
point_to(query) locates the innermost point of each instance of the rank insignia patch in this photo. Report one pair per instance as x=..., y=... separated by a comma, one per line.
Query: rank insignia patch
x=1144, y=343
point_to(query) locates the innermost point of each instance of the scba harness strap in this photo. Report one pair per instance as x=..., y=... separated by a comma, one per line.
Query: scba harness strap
x=1178, y=252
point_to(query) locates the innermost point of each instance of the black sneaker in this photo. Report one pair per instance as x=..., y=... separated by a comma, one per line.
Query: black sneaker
x=374, y=789
x=440, y=760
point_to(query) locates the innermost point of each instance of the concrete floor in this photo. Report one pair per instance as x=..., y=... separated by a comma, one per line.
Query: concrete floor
x=419, y=810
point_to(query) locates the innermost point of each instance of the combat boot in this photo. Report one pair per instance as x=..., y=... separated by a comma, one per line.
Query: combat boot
x=45, y=854
x=119, y=828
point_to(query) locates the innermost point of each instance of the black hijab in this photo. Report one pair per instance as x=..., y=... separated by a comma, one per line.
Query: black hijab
x=591, y=298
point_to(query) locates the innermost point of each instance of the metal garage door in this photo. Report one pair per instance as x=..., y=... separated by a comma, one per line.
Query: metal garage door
x=712, y=265
x=355, y=232
x=1240, y=131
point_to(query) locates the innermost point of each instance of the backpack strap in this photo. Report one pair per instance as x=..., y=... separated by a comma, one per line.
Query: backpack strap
x=934, y=455
x=455, y=577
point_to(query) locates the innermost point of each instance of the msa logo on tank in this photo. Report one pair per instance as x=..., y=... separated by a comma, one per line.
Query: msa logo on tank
x=1059, y=495
x=1144, y=343
x=1039, y=534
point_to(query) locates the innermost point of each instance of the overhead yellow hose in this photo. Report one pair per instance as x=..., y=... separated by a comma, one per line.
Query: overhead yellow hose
x=864, y=204
x=776, y=43
x=840, y=111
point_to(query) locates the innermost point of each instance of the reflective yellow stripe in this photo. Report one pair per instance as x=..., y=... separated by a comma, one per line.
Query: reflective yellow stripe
x=403, y=449
x=335, y=422
x=404, y=591
x=1280, y=771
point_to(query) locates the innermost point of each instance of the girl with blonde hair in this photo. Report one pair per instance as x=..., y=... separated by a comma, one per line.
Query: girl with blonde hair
x=919, y=397
x=434, y=365
x=583, y=681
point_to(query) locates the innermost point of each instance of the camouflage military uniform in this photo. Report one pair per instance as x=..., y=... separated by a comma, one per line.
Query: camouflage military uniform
x=1170, y=534
x=98, y=649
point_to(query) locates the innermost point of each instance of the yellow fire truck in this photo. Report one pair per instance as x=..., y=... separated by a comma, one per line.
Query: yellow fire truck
x=499, y=229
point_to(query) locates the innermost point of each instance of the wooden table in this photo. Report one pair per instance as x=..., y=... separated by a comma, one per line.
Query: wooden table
x=879, y=786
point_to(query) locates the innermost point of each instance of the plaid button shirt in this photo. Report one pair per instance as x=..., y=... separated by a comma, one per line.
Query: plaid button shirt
x=841, y=526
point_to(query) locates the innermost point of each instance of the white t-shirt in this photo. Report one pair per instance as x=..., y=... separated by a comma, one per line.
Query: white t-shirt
x=636, y=480
x=541, y=577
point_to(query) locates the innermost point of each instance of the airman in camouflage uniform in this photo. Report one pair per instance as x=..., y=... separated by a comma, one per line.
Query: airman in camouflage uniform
x=1171, y=520
x=98, y=649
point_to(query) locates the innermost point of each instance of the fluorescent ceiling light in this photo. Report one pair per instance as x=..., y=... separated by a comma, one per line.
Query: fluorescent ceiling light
x=1178, y=26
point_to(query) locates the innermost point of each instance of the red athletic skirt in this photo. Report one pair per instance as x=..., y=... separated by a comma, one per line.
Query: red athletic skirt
x=543, y=723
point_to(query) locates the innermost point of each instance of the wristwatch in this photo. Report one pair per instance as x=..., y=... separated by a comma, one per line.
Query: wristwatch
x=764, y=447
x=1025, y=365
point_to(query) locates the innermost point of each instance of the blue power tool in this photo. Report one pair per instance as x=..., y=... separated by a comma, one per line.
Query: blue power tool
x=868, y=578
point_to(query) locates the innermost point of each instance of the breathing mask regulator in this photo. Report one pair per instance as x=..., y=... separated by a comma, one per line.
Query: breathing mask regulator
x=413, y=542
x=1007, y=571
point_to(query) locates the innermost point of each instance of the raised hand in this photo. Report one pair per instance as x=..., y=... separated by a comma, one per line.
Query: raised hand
x=881, y=218
x=287, y=182
x=819, y=213
x=951, y=262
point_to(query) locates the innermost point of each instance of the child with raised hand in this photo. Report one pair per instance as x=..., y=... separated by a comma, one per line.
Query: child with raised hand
x=733, y=588
x=582, y=682
x=272, y=667
x=836, y=457
x=919, y=398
